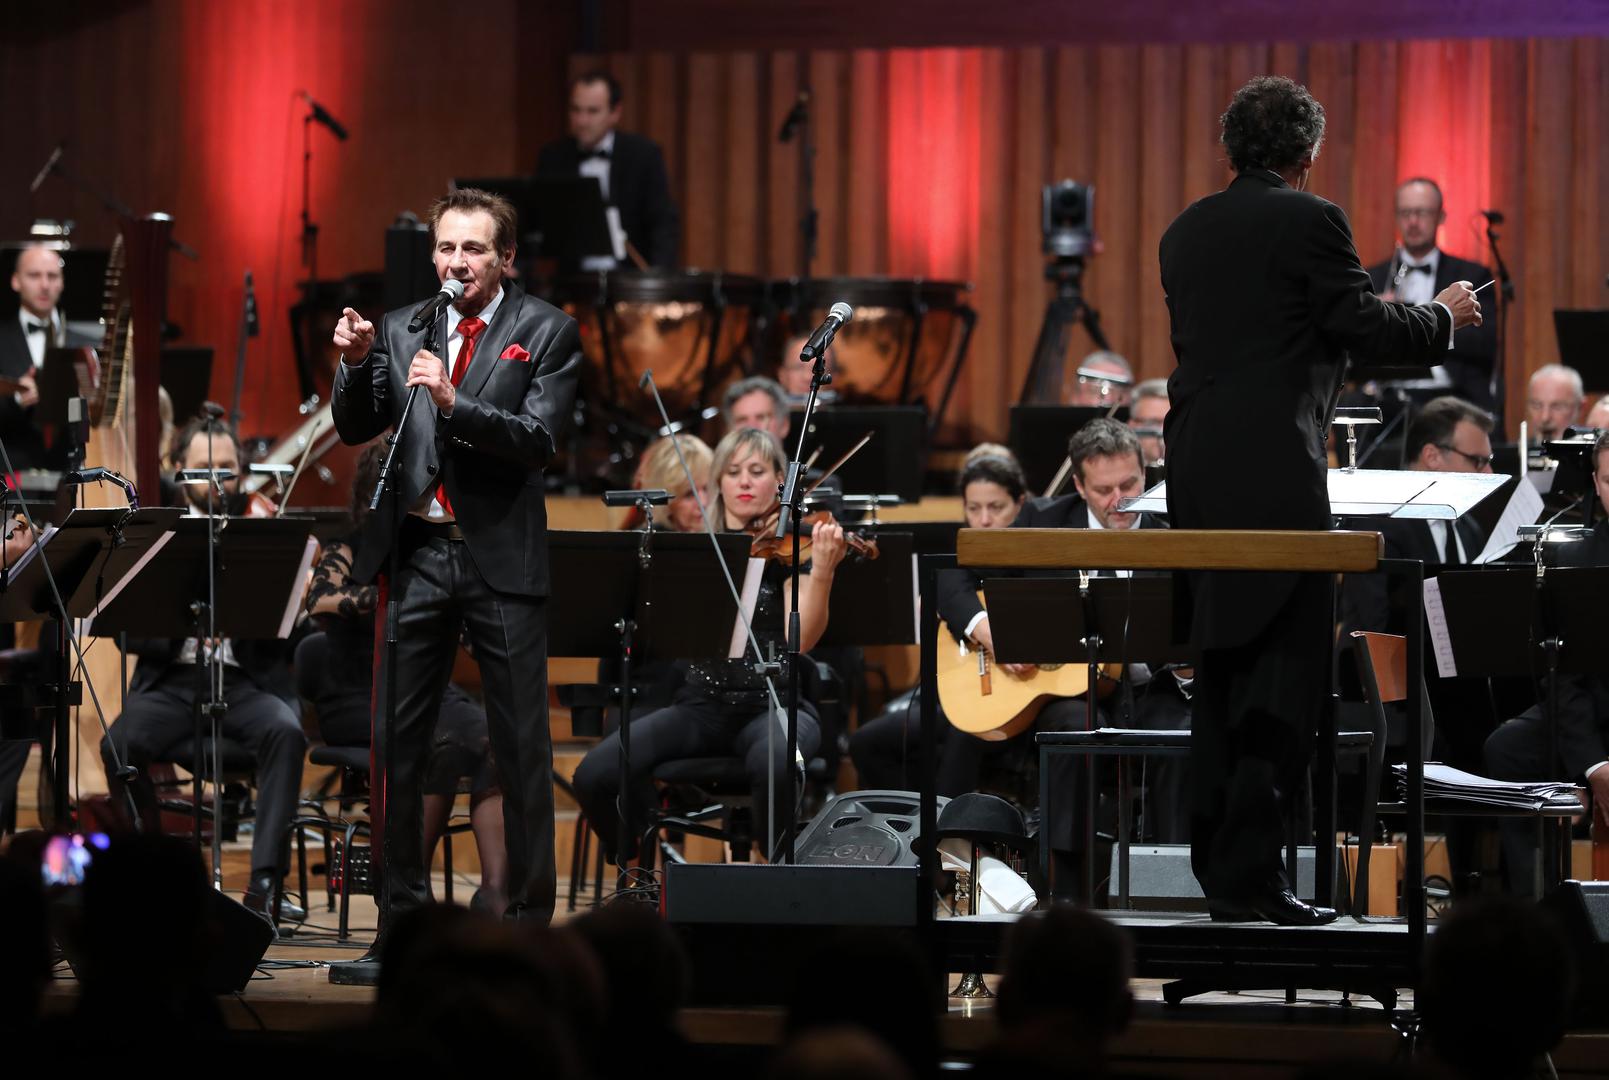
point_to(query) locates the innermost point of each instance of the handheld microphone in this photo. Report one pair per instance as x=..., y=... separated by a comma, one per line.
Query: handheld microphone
x=1495, y=217
x=821, y=340
x=50, y=167
x=451, y=290
x=322, y=116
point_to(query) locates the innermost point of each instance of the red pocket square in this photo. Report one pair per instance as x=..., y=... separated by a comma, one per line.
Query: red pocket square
x=515, y=352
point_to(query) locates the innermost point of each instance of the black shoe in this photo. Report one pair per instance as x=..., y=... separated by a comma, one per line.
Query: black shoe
x=1281, y=908
x=260, y=893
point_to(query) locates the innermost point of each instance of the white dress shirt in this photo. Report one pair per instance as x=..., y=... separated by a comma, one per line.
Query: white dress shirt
x=36, y=341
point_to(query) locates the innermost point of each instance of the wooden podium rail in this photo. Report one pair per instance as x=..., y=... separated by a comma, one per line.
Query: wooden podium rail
x=1182, y=549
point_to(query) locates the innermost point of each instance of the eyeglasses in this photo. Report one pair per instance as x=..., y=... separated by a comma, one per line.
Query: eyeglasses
x=1561, y=407
x=1480, y=461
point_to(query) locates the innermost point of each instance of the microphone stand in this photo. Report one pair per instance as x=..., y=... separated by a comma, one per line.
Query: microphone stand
x=792, y=503
x=209, y=668
x=1505, y=286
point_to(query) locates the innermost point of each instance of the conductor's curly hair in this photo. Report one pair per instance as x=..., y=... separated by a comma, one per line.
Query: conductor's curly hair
x=1272, y=123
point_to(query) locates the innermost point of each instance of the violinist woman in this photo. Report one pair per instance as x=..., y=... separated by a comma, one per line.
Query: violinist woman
x=724, y=708
x=993, y=491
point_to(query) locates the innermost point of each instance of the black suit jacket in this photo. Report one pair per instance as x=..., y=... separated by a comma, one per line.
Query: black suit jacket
x=638, y=185
x=265, y=663
x=1469, y=362
x=1583, y=717
x=1266, y=295
x=1367, y=602
x=956, y=591
x=489, y=453
x=22, y=438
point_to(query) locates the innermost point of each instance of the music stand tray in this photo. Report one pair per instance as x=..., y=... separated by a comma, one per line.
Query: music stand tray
x=262, y=569
x=1396, y=493
x=683, y=608
x=893, y=462
x=1495, y=627
x=84, y=561
x=874, y=601
x=1581, y=337
x=1039, y=434
x=1038, y=620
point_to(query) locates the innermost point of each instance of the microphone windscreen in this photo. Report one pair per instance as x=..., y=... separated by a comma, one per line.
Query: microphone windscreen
x=842, y=311
x=453, y=287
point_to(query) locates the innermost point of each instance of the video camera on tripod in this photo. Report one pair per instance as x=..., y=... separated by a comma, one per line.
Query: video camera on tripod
x=1067, y=227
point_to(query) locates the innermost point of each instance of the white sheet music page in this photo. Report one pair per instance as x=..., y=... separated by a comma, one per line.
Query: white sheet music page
x=750, y=596
x=1524, y=508
x=1440, y=640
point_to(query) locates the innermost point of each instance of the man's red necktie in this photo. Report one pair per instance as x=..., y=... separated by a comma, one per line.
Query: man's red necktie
x=470, y=329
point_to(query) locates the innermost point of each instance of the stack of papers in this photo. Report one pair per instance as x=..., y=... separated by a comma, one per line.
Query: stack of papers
x=1448, y=785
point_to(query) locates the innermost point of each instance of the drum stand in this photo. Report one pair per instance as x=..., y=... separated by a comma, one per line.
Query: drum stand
x=1045, y=374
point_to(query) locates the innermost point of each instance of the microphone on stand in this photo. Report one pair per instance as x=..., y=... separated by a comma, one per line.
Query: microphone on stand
x=451, y=290
x=1493, y=217
x=796, y=116
x=322, y=115
x=821, y=340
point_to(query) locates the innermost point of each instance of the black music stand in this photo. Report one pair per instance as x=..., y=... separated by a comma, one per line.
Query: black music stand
x=567, y=215
x=57, y=381
x=1581, y=337
x=262, y=568
x=892, y=463
x=1513, y=621
x=1039, y=434
x=1094, y=621
x=89, y=555
x=606, y=589
x=874, y=601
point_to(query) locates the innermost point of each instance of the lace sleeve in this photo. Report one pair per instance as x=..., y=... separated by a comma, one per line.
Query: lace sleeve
x=333, y=591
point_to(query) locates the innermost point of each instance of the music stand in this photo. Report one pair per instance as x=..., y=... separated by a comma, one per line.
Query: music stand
x=566, y=215
x=262, y=569
x=58, y=382
x=931, y=537
x=1581, y=336
x=892, y=463
x=1039, y=434
x=90, y=552
x=1091, y=621
x=606, y=589
x=874, y=601
x=1497, y=621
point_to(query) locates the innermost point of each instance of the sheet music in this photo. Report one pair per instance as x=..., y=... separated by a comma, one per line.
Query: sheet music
x=1524, y=508
x=1440, y=640
x=293, y=604
x=750, y=595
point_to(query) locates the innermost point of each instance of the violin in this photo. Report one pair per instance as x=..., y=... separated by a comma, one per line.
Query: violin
x=767, y=545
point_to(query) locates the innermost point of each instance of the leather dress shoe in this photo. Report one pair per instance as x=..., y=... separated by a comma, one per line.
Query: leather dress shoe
x=1281, y=908
x=259, y=895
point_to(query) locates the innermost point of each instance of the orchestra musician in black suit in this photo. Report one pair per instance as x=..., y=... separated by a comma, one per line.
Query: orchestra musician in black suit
x=1518, y=750
x=1419, y=270
x=38, y=325
x=1107, y=466
x=1258, y=372
x=630, y=168
x=467, y=517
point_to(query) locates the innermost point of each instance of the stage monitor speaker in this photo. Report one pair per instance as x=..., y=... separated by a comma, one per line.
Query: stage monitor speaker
x=864, y=828
x=1582, y=908
x=236, y=940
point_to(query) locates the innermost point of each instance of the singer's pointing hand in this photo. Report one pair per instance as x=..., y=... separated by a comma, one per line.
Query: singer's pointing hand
x=354, y=336
x=1460, y=300
x=428, y=371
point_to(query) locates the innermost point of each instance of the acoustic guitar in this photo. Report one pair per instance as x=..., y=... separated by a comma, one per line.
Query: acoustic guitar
x=997, y=705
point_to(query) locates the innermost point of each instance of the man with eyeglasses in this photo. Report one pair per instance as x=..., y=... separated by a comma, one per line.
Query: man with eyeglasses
x=1553, y=400
x=1418, y=270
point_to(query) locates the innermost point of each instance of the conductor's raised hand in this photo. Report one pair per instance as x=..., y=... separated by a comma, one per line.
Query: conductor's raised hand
x=354, y=336
x=428, y=371
x=1460, y=300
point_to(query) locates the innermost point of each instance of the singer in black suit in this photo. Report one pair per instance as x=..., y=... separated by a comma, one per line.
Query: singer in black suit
x=468, y=521
x=1418, y=270
x=630, y=168
x=1258, y=372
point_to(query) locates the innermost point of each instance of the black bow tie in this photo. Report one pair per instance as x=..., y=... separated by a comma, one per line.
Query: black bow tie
x=1409, y=268
x=588, y=155
x=34, y=327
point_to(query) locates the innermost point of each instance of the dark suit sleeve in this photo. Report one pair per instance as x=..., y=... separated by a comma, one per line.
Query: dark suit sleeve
x=664, y=229
x=1581, y=742
x=361, y=402
x=958, y=599
x=1348, y=312
x=529, y=436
